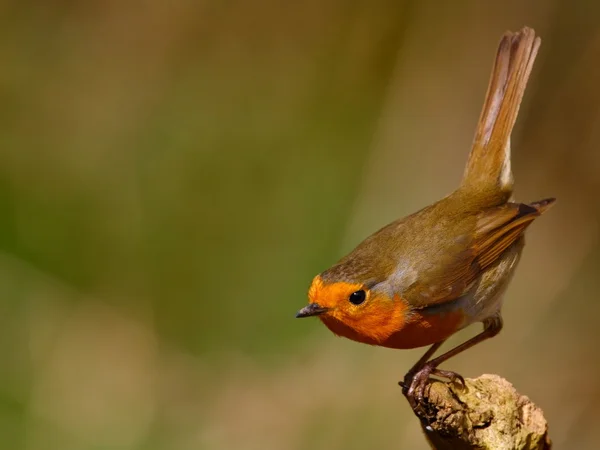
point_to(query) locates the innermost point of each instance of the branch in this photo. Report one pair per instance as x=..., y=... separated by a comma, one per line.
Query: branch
x=488, y=414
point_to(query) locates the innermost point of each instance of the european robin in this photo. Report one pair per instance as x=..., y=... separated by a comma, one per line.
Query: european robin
x=420, y=279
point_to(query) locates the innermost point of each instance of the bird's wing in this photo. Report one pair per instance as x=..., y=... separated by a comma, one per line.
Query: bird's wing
x=495, y=230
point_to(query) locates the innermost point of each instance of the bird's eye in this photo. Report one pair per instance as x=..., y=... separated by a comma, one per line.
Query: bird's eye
x=356, y=298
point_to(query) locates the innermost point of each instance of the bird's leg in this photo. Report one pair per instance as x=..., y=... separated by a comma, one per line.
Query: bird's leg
x=428, y=354
x=418, y=365
x=420, y=376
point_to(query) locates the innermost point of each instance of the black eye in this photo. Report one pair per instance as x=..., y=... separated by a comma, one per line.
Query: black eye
x=356, y=298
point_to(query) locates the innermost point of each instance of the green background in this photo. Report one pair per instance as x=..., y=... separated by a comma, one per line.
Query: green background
x=173, y=174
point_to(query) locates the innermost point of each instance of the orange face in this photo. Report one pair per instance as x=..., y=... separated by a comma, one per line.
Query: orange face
x=356, y=312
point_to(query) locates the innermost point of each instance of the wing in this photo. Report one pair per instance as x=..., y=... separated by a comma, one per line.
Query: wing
x=495, y=230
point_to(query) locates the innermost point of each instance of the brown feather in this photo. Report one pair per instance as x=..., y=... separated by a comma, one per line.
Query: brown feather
x=494, y=231
x=488, y=168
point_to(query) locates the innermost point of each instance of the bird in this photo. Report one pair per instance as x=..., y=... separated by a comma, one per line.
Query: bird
x=422, y=278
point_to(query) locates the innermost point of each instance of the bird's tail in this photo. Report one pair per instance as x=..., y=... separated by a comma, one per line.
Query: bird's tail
x=488, y=169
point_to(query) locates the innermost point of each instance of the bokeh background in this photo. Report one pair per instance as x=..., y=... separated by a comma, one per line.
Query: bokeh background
x=173, y=174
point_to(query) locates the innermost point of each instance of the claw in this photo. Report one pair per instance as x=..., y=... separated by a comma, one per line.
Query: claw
x=422, y=379
x=453, y=377
x=414, y=384
x=406, y=382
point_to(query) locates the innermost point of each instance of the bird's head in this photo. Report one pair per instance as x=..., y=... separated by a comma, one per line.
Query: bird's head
x=357, y=310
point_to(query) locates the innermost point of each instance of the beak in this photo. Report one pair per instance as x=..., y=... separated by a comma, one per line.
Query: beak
x=314, y=309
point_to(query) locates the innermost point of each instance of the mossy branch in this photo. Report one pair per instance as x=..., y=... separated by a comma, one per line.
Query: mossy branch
x=486, y=414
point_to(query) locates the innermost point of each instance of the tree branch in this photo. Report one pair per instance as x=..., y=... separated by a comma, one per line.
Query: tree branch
x=488, y=414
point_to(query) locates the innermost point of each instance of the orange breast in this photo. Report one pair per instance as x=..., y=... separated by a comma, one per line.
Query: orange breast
x=421, y=329
x=426, y=329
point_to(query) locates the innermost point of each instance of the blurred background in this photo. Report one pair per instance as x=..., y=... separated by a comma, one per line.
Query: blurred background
x=173, y=174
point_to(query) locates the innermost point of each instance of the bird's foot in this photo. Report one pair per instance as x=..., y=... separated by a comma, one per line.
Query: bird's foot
x=415, y=383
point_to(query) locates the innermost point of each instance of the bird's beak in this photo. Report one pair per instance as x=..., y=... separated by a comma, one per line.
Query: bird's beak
x=314, y=309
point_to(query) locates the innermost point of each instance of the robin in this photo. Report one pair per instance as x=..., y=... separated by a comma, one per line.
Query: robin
x=420, y=279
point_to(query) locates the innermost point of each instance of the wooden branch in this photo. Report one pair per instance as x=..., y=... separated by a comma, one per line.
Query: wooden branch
x=488, y=414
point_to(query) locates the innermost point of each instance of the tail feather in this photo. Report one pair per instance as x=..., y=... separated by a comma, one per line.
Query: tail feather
x=488, y=168
x=543, y=205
